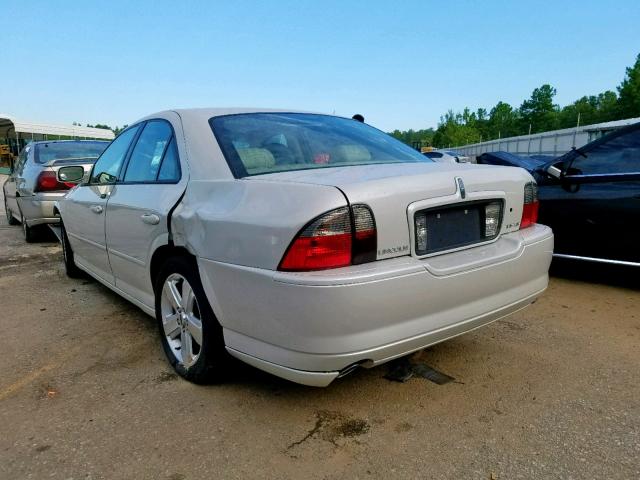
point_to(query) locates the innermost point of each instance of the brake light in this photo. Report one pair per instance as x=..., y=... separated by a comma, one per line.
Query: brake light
x=531, y=205
x=47, y=182
x=344, y=236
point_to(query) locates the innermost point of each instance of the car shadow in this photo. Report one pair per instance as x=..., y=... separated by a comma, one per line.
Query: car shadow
x=592, y=272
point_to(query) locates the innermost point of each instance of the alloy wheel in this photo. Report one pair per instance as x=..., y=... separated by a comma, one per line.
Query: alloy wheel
x=181, y=319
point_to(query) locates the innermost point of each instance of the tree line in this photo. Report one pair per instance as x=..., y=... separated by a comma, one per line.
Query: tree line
x=536, y=114
x=116, y=130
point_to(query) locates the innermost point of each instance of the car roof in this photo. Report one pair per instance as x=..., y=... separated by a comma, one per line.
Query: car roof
x=202, y=152
x=207, y=112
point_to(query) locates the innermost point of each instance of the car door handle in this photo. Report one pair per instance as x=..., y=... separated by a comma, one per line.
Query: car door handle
x=150, y=218
x=96, y=209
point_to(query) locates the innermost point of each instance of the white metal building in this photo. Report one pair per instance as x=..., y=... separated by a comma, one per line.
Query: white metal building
x=16, y=133
x=556, y=142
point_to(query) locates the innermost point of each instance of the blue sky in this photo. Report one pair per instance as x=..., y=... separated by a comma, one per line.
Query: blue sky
x=401, y=64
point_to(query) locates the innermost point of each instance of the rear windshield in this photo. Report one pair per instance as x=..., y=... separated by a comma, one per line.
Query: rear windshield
x=259, y=143
x=46, y=152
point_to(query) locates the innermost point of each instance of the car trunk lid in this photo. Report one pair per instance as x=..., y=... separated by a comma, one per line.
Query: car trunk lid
x=395, y=192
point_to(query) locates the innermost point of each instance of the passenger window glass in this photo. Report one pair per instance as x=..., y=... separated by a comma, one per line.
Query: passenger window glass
x=146, y=157
x=170, y=169
x=108, y=165
x=618, y=155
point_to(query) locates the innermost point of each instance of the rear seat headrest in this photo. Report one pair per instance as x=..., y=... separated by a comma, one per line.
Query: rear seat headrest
x=256, y=158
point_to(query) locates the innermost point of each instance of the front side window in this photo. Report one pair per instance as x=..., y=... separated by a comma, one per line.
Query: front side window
x=107, y=167
x=149, y=151
x=621, y=154
x=259, y=143
x=67, y=150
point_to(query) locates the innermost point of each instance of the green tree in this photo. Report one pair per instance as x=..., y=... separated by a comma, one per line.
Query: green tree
x=629, y=92
x=608, y=106
x=415, y=138
x=503, y=121
x=456, y=129
x=539, y=111
x=118, y=130
x=585, y=109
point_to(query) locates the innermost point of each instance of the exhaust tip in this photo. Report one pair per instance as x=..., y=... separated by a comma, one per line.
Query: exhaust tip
x=350, y=368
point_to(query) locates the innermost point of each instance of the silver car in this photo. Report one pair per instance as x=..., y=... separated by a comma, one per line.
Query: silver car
x=306, y=245
x=32, y=188
x=446, y=156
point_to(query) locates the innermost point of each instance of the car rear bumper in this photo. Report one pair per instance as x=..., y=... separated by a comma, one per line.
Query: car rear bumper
x=38, y=209
x=310, y=327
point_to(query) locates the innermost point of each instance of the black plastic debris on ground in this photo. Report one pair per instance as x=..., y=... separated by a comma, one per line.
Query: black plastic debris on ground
x=402, y=369
x=399, y=370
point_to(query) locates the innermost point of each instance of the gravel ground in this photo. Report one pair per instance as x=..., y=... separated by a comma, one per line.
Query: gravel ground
x=550, y=392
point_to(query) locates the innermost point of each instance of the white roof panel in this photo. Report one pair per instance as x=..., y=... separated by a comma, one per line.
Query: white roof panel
x=10, y=125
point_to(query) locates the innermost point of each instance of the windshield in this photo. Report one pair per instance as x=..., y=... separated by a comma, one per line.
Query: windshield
x=259, y=143
x=45, y=152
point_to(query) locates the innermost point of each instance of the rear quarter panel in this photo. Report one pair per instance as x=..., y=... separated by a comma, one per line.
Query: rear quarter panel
x=249, y=223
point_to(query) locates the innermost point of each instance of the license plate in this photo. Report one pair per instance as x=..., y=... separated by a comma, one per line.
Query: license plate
x=451, y=228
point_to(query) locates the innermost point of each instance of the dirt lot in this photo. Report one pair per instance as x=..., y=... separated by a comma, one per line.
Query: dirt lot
x=551, y=392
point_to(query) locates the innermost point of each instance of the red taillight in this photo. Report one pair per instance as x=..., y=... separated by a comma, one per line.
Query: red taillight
x=530, y=207
x=325, y=243
x=47, y=182
x=338, y=238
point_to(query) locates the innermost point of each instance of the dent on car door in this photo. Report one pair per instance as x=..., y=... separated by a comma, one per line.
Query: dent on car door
x=84, y=208
x=596, y=204
x=139, y=206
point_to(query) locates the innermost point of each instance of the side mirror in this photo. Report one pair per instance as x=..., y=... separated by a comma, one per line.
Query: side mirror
x=554, y=171
x=71, y=174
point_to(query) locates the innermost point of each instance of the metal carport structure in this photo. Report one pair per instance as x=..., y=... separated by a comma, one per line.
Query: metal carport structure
x=16, y=133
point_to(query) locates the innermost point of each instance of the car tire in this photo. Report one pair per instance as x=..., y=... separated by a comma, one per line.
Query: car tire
x=30, y=233
x=183, y=322
x=11, y=220
x=70, y=266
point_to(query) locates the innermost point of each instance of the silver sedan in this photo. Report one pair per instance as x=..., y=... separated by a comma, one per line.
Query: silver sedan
x=32, y=188
x=306, y=245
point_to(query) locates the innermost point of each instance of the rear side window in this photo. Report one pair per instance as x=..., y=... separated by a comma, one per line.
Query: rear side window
x=433, y=155
x=170, y=169
x=258, y=143
x=147, y=156
x=107, y=167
